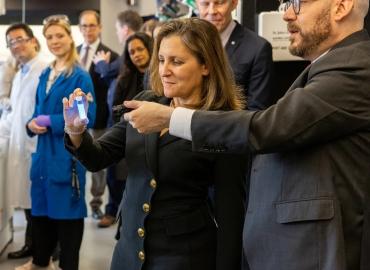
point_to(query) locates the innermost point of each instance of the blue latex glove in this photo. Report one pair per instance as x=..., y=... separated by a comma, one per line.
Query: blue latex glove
x=43, y=120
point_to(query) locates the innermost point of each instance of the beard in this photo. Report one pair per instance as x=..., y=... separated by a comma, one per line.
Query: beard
x=313, y=38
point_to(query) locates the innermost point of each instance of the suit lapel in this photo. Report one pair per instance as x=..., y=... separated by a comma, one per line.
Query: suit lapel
x=301, y=80
x=92, y=66
x=151, y=144
x=234, y=40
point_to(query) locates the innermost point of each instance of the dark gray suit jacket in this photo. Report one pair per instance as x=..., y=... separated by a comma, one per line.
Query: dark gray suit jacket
x=309, y=202
x=250, y=57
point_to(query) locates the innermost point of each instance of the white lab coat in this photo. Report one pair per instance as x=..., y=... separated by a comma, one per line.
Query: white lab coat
x=13, y=127
x=7, y=73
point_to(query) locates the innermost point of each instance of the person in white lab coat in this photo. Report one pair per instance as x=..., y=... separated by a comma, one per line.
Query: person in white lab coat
x=24, y=48
x=7, y=72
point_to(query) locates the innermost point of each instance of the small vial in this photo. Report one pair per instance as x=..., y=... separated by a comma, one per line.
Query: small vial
x=81, y=109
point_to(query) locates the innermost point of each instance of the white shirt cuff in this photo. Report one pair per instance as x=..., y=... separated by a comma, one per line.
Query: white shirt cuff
x=180, y=123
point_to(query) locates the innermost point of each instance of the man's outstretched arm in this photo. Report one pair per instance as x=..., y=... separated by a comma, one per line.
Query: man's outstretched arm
x=148, y=117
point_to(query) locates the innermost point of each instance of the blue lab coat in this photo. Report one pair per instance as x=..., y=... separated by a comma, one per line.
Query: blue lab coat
x=52, y=194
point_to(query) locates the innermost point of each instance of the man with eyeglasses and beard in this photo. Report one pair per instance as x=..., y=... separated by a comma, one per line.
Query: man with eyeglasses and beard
x=24, y=47
x=309, y=201
x=90, y=28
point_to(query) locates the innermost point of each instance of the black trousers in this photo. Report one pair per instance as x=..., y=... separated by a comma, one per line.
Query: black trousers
x=116, y=187
x=47, y=232
x=28, y=237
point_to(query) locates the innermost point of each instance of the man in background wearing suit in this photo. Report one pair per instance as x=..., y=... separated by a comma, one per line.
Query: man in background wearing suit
x=90, y=27
x=309, y=201
x=127, y=23
x=250, y=56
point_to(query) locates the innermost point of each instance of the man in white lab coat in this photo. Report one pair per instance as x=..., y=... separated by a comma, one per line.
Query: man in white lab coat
x=24, y=48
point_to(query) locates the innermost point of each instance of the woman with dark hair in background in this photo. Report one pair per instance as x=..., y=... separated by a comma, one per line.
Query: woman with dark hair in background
x=132, y=80
x=133, y=77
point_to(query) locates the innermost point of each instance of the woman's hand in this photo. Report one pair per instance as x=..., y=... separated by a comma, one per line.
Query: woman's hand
x=74, y=125
x=35, y=128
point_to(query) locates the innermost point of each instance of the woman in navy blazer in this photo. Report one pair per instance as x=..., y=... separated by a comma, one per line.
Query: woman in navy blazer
x=58, y=203
x=168, y=222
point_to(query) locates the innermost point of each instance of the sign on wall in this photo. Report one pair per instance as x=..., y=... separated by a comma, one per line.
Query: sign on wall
x=272, y=27
x=2, y=7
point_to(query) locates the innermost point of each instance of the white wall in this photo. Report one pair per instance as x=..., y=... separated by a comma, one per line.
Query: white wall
x=109, y=10
x=2, y=7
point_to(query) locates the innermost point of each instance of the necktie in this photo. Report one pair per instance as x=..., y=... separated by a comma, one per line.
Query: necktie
x=85, y=57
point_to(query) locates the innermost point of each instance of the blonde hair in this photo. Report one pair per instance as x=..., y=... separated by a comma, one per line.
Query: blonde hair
x=73, y=57
x=219, y=90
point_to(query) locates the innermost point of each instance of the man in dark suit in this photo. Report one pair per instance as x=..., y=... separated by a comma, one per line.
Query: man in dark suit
x=127, y=23
x=309, y=202
x=250, y=56
x=90, y=27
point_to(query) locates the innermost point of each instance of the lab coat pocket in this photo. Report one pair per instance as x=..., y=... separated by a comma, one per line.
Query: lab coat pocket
x=60, y=170
x=36, y=171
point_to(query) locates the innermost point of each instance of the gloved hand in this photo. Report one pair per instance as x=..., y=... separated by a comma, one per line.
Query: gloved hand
x=43, y=120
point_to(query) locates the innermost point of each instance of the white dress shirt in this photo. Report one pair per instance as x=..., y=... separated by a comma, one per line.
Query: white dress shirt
x=180, y=123
x=93, y=47
x=225, y=35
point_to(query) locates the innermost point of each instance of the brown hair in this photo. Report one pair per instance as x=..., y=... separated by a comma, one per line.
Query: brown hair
x=130, y=18
x=219, y=91
x=90, y=11
x=72, y=58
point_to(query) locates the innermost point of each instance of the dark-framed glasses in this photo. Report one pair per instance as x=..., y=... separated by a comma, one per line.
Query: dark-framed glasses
x=296, y=4
x=56, y=18
x=17, y=41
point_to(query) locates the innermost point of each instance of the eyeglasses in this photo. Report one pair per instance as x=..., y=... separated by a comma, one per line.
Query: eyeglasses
x=87, y=26
x=17, y=41
x=56, y=18
x=295, y=3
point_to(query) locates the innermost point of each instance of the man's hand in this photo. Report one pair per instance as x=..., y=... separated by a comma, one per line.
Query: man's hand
x=148, y=117
x=101, y=56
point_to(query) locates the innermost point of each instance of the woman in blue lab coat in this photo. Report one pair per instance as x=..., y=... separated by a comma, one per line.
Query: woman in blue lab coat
x=58, y=198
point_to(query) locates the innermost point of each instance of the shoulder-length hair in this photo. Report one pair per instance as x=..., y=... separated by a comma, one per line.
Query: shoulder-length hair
x=219, y=90
x=73, y=58
x=128, y=67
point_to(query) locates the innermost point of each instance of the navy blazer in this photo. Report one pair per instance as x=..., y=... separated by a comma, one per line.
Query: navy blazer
x=250, y=57
x=167, y=222
x=101, y=89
